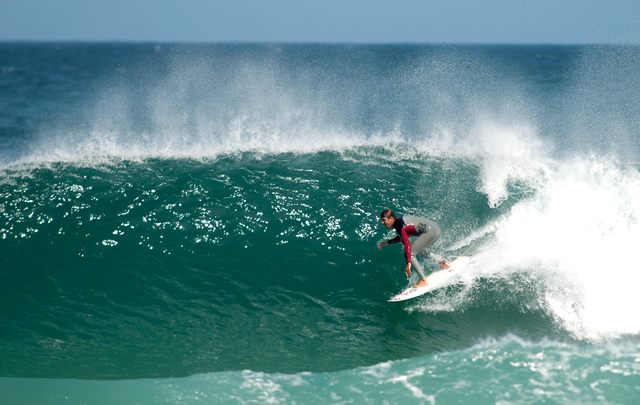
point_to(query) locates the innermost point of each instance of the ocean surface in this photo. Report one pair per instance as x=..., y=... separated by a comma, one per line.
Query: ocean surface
x=198, y=223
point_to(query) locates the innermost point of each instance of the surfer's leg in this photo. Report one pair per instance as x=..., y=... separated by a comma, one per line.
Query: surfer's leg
x=431, y=256
x=444, y=264
x=415, y=266
x=419, y=246
x=424, y=241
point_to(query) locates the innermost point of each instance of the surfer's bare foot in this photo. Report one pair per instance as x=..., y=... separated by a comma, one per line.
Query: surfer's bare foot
x=421, y=283
x=444, y=264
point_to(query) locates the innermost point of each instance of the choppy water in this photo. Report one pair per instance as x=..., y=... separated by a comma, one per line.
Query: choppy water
x=199, y=223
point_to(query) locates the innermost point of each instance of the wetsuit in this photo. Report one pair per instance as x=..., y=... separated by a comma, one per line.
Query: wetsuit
x=427, y=233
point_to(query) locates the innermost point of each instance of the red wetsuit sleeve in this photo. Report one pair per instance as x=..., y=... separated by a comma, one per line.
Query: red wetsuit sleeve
x=406, y=231
x=395, y=240
x=406, y=243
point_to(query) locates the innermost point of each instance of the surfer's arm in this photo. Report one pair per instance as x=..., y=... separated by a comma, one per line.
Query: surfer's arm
x=394, y=240
x=407, y=246
x=383, y=244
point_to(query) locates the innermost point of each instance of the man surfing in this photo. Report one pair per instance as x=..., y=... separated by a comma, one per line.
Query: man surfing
x=427, y=233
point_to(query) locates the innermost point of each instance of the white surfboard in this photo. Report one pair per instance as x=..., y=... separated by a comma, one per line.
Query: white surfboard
x=436, y=280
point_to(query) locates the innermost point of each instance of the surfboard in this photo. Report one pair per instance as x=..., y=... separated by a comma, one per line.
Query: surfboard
x=436, y=280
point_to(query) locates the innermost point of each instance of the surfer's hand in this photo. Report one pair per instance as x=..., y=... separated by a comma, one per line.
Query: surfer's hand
x=407, y=270
x=382, y=244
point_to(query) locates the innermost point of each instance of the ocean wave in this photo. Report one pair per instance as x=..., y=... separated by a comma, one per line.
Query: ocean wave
x=217, y=209
x=284, y=248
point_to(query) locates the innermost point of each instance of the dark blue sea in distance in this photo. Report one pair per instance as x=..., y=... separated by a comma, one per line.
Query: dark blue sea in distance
x=198, y=223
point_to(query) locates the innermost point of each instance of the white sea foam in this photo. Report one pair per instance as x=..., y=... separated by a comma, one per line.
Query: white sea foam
x=576, y=237
x=581, y=229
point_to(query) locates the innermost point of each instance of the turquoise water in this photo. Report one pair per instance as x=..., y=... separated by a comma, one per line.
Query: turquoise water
x=507, y=371
x=199, y=223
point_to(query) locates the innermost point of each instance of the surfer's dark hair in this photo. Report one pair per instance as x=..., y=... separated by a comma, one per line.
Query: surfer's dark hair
x=387, y=214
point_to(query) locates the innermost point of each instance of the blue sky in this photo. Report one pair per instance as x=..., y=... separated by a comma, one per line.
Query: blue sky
x=345, y=21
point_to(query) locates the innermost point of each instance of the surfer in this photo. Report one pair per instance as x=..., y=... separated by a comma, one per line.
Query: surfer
x=427, y=233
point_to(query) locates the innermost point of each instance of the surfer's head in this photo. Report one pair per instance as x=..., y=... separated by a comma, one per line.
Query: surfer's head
x=388, y=218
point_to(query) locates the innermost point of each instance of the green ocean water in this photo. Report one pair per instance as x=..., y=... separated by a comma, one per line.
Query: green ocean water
x=509, y=371
x=199, y=224
x=247, y=254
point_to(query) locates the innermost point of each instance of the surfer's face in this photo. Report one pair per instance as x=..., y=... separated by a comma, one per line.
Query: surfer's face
x=388, y=222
